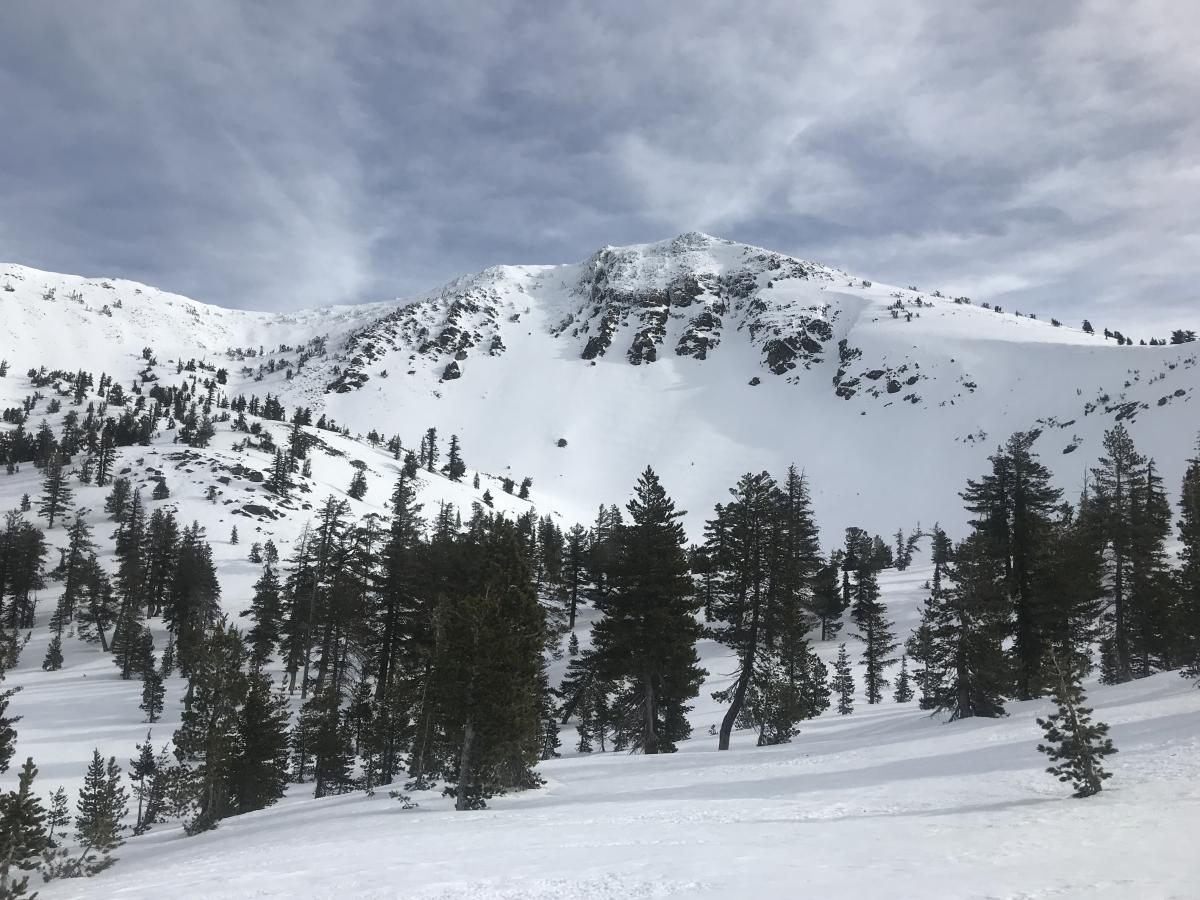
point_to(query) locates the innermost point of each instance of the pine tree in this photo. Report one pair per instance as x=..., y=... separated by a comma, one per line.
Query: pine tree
x=454, y=468
x=59, y=816
x=491, y=702
x=103, y=803
x=1189, y=569
x=1074, y=743
x=23, y=834
x=1013, y=507
x=53, y=660
x=56, y=492
x=259, y=772
x=358, y=485
x=233, y=535
x=1119, y=470
x=142, y=771
x=744, y=560
x=266, y=611
x=206, y=740
x=843, y=682
x=153, y=694
x=875, y=632
x=647, y=633
x=903, y=692
x=827, y=604
x=968, y=628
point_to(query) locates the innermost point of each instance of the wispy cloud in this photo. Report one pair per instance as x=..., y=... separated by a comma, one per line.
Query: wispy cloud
x=282, y=154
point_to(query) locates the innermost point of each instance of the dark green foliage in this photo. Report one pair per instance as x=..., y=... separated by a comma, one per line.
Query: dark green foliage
x=56, y=491
x=1074, y=743
x=54, y=656
x=904, y=691
x=266, y=611
x=358, y=485
x=644, y=642
x=23, y=835
x=969, y=673
x=259, y=771
x=843, y=682
x=454, y=468
x=103, y=804
x=875, y=632
x=1013, y=506
x=1189, y=569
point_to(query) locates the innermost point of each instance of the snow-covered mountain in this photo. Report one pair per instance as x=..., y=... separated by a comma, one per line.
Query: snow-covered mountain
x=706, y=359
x=700, y=356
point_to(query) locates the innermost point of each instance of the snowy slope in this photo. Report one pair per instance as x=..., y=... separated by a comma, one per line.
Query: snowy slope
x=885, y=803
x=702, y=357
x=706, y=359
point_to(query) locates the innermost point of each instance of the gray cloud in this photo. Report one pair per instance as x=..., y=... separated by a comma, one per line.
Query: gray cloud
x=283, y=154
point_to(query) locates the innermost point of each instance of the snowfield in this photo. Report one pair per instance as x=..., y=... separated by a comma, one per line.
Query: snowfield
x=884, y=803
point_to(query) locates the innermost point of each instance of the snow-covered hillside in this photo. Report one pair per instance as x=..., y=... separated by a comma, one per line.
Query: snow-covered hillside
x=702, y=357
x=885, y=803
x=705, y=359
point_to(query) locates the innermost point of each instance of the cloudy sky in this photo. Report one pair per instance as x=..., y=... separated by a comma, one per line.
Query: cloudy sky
x=1045, y=155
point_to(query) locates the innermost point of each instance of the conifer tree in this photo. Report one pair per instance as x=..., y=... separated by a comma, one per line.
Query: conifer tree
x=454, y=468
x=903, y=692
x=843, y=682
x=1189, y=568
x=745, y=562
x=491, y=702
x=1115, y=478
x=53, y=660
x=142, y=771
x=103, y=804
x=56, y=491
x=233, y=535
x=153, y=694
x=968, y=628
x=358, y=485
x=647, y=633
x=1013, y=508
x=266, y=611
x=59, y=816
x=116, y=504
x=206, y=740
x=875, y=632
x=827, y=604
x=1075, y=744
x=23, y=834
x=8, y=731
x=259, y=772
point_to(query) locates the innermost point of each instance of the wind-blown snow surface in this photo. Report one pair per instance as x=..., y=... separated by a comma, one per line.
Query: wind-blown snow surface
x=884, y=803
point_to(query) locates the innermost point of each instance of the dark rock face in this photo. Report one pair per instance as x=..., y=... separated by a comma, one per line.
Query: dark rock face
x=451, y=372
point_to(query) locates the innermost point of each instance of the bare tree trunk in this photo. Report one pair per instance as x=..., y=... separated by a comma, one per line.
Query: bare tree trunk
x=650, y=716
x=461, y=801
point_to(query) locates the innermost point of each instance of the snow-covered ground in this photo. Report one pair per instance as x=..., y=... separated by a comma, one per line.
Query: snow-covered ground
x=884, y=803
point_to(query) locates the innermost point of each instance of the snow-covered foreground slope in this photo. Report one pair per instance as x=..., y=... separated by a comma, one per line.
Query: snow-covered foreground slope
x=886, y=802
